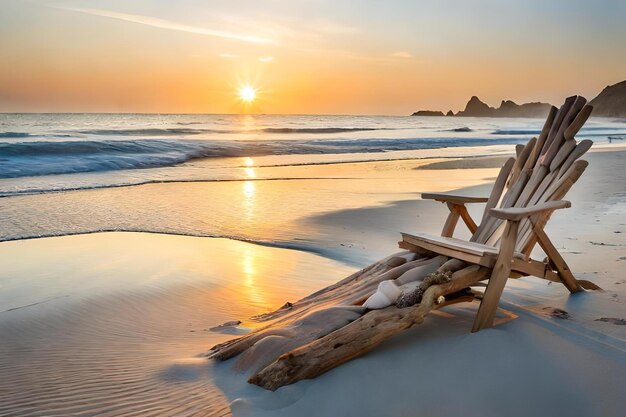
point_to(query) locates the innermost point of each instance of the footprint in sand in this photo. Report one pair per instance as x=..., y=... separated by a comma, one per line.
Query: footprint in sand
x=557, y=313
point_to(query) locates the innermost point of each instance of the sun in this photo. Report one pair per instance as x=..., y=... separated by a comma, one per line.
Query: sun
x=247, y=93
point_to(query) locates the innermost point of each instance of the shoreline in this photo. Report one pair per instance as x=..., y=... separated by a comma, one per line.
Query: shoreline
x=236, y=168
x=323, y=222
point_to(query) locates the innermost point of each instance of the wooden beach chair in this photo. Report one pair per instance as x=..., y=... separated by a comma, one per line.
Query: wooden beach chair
x=334, y=325
x=528, y=189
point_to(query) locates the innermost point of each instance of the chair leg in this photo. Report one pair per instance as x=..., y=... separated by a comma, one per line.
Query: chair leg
x=555, y=258
x=499, y=275
x=451, y=221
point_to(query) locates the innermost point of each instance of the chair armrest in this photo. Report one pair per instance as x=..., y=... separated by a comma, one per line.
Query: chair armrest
x=452, y=198
x=518, y=213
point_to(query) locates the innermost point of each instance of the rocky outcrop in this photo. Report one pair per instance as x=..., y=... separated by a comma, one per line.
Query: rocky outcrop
x=476, y=108
x=611, y=102
x=427, y=113
x=508, y=108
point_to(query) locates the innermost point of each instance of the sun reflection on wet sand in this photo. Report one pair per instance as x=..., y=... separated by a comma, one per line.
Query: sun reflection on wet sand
x=248, y=265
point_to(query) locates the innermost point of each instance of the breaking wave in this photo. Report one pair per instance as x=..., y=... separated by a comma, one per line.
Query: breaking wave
x=191, y=131
x=515, y=132
x=22, y=159
x=14, y=135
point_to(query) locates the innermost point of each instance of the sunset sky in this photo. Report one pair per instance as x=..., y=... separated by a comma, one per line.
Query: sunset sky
x=309, y=56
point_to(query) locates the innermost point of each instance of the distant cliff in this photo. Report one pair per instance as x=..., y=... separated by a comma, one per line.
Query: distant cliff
x=476, y=108
x=611, y=102
x=508, y=108
x=427, y=113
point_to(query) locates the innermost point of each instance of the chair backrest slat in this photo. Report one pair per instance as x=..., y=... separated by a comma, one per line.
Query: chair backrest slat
x=565, y=151
x=543, y=170
x=526, y=240
x=578, y=122
x=494, y=197
x=520, y=162
x=580, y=149
x=541, y=139
x=558, y=121
x=559, y=138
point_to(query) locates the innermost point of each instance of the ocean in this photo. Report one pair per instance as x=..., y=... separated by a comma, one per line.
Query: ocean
x=81, y=173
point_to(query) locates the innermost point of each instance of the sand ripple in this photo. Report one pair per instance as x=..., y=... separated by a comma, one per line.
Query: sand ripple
x=128, y=355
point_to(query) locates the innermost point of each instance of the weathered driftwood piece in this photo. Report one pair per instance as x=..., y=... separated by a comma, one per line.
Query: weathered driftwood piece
x=514, y=192
x=520, y=162
x=456, y=205
x=453, y=198
x=578, y=151
x=527, y=240
x=353, y=291
x=451, y=221
x=578, y=122
x=558, y=121
x=457, y=211
x=358, y=337
x=559, y=138
x=278, y=340
x=467, y=219
x=542, y=164
x=541, y=139
x=292, y=311
x=557, y=260
x=499, y=275
x=547, y=189
x=562, y=155
x=486, y=222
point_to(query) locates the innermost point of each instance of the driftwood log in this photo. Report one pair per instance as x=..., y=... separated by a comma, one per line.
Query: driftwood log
x=309, y=337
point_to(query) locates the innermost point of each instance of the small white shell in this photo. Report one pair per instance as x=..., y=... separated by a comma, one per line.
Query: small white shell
x=386, y=294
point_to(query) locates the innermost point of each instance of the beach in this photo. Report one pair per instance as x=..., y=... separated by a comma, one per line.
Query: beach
x=112, y=296
x=312, y=209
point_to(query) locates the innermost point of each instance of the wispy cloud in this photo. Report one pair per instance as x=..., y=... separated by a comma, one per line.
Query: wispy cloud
x=169, y=25
x=228, y=56
x=266, y=59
